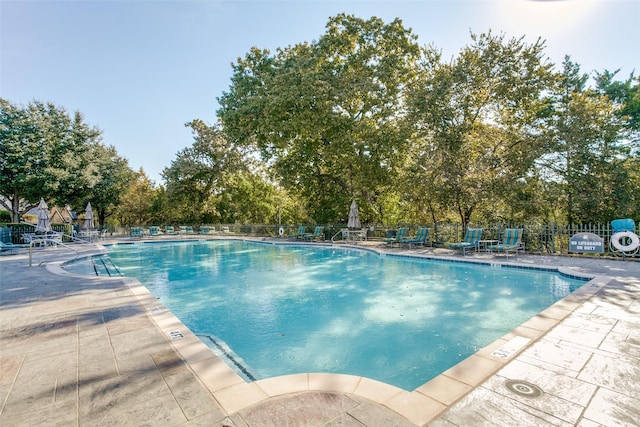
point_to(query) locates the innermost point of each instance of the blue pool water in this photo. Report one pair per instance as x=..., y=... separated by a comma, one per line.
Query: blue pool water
x=284, y=309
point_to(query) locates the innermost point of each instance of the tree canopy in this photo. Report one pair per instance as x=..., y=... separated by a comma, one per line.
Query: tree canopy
x=44, y=153
x=495, y=133
x=327, y=116
x=477, y=120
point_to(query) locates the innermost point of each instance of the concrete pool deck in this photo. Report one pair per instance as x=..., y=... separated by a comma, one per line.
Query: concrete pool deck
x=77, y=350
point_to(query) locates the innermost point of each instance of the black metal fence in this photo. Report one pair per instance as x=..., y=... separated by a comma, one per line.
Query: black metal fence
x=538, y=238
x=13, y=232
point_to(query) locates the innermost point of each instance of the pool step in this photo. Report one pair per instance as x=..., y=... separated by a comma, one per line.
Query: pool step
x=103, y=266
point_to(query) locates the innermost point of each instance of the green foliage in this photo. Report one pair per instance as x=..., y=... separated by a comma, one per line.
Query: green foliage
x=477, y=119
x=114, y=177
x=496, y=133
x=626, y=95
x=196, y=179
x=326, y=115
x=137, y=202
x=45, y=154
x=218, y=181
x=587, y=153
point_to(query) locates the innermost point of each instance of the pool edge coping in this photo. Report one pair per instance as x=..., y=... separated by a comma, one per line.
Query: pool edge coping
x=422, y=405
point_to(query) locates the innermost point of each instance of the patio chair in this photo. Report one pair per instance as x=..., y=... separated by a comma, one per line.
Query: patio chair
x=206, y=230
x=511, y=242
x=357, y=235
x=53, y=237
x=400, y=235
x=300, y=234
x=421, y=237
x=471, y=241
x=10, y=247
x=186, y=229
x=318, y=234
x=169, y=230
x=137, y=232
x=27, y=238
x=42, y=239
x=154, y=231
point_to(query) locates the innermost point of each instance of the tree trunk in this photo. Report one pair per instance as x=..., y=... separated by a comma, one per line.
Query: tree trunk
x=15, y=208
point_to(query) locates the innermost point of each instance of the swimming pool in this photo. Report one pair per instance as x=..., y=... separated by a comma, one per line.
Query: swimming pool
x=284, y=309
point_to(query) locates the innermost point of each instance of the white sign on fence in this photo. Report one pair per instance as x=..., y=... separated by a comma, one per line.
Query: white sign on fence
x=586, y=242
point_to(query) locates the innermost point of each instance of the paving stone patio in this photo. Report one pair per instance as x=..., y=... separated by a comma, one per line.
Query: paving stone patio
x=78, y=351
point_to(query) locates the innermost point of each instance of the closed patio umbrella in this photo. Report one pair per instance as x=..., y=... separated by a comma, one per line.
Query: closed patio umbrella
x=354, y=216
x=88, y=217
x=43, y=217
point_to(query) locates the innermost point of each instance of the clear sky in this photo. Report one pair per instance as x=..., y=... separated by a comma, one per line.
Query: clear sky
x=139, y=70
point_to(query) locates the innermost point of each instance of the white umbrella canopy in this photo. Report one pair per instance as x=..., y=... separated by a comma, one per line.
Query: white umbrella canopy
x=43, y=217
x=88, y=217
x=354, y=216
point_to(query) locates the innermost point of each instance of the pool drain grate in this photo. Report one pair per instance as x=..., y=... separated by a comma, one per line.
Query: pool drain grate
x=523, y=388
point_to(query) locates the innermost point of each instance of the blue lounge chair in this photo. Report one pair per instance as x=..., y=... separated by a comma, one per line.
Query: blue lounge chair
x=136, y=232
x=300, y=234
x=511, y=242
x=154, y=231
x=206, y=230
x=400, y=235
x=169, y=230
x=318, y=234
x=471, y=240
x=421, y=237
x=10, y=247
x=186, y=229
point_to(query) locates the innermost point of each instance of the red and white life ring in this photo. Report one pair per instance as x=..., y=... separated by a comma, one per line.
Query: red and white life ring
x=618, y=238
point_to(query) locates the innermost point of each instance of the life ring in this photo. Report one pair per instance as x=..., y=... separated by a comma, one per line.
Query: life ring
x=281, y=231
x=617, y=238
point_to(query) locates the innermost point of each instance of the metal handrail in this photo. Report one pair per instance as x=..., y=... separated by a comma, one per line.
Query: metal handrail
x=335, y=235
x=45, y=241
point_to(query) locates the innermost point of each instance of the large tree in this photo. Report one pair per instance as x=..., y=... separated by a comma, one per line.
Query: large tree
x=217, y=181
x=477, y=121
x=327, y=115
x=198, y=175
x=588, y=151
x=136, y=207
x=114, y=177
x=624, y=94
x=44, y=153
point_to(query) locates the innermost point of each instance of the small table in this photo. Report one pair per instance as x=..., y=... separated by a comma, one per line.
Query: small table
x=484, y=245
x=90, y=235
x=355, y=235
